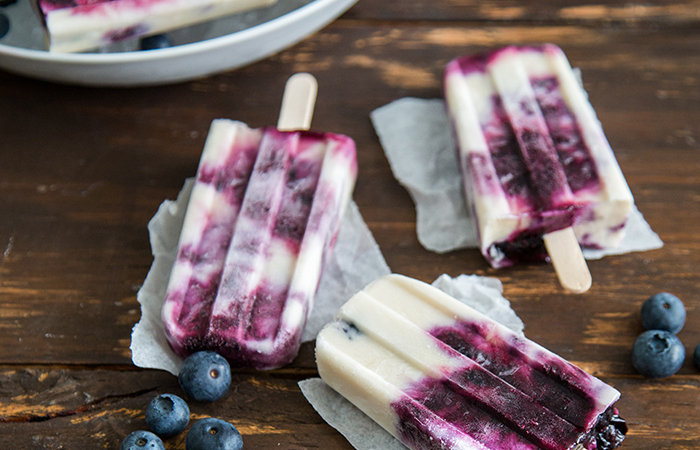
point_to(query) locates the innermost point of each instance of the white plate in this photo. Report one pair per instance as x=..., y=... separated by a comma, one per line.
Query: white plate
x=198, y=51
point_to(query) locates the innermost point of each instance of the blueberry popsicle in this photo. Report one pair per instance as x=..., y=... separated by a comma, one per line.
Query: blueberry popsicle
x=436, y=374
x=262, y=219
x=533, y=154
x=79, y=25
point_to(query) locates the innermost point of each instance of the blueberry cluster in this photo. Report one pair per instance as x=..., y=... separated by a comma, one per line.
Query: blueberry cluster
x=204, y=376
x=657, y=352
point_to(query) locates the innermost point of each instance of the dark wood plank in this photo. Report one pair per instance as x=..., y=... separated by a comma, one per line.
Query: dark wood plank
x=72, y=408
x=83, y=170
x=79, y=193
x=65, y=408
x=610, y=12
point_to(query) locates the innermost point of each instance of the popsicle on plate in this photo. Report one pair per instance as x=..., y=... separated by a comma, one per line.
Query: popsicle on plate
x=263, y=217
x=436, y=374
x=533, y=154
x=79, y=25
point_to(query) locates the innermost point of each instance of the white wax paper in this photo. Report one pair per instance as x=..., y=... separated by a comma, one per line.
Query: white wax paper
x=417, y=139
x=355, y=262
x=481, y=293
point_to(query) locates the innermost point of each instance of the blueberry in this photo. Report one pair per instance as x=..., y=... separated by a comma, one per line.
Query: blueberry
x=205, y=376
x=663, y=311
x=213, y=434
x=167, y=415
x=696, y=356
x=657, y=354
x=142, y=440
x=155, y=42
x=4, y=25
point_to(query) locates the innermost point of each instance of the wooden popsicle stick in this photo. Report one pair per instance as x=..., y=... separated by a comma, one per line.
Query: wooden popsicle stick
x=298, y=103
x=568, y=261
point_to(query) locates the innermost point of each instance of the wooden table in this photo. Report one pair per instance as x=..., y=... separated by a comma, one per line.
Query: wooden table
x=82, y=170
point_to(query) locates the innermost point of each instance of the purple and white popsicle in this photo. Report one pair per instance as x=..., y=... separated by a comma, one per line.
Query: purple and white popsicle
x=437, y=374
x=263, y=217
x=79, y=25
x=533, y=154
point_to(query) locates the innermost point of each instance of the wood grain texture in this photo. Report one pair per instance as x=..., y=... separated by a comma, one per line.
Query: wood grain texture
x=597, y=13
x=82, y=171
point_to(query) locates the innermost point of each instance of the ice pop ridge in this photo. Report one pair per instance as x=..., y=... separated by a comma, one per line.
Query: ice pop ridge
x=79, y=25
x=436, y=374
x=263, y=217
x=533, y=154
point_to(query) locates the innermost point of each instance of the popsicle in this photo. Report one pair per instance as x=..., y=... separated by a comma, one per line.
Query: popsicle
x=533, y=156
x=79, y=25
x=262, y=220
x=437, y=374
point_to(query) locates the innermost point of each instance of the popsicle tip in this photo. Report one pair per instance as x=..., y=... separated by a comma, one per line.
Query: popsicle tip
x=579, y=285
x=568, y=261
x=298, y=102
x=302, y=77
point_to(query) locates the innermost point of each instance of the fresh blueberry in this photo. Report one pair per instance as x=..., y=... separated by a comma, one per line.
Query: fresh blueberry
x=4, y=25
x=696, y=356
x=142, y=440
x=155, y=42
x=205, y=376
x=663, y=311
x=213, y=434
x=167, y=415
x=657, y=354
